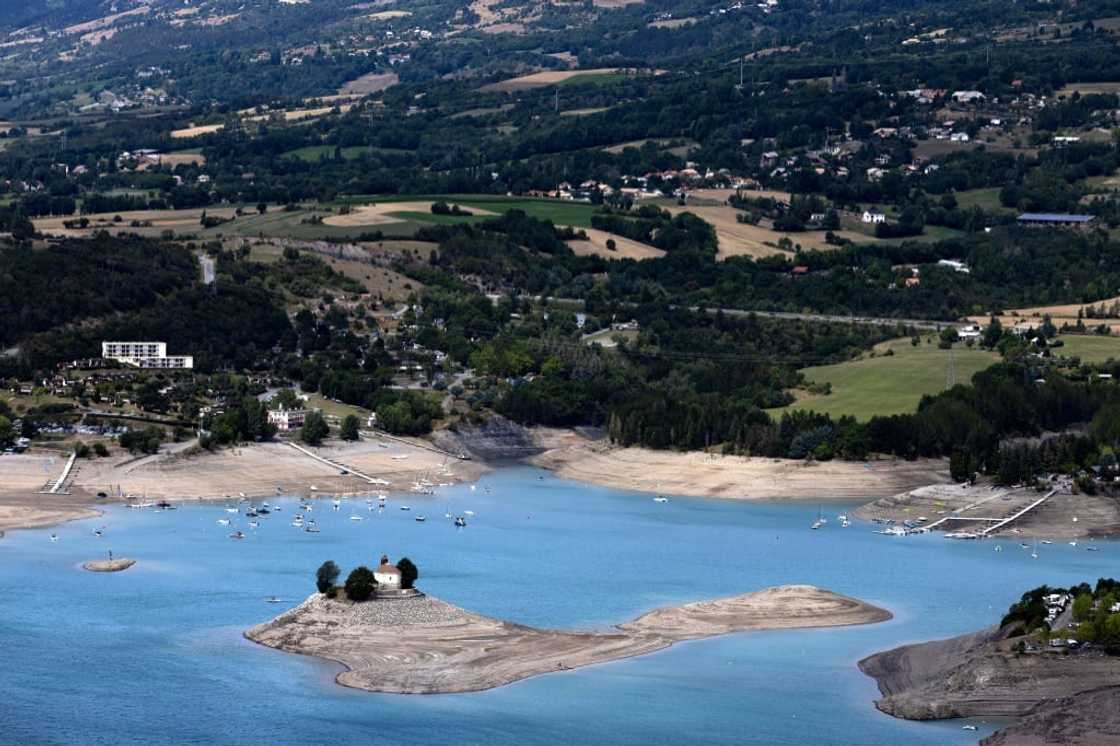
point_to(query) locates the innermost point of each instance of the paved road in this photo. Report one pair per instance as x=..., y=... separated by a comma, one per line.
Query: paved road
x=925, y=324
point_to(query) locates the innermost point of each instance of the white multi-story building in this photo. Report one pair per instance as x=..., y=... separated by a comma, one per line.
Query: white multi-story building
x=145, y=355
x=287, y=419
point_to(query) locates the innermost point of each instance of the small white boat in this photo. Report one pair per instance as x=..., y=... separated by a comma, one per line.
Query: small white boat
x=354, y=517
x=231, y=510
x=420, y=519
x=272, y=600
x=254, y=524
x=405, y=507
x=999, y=548
x=314, y=488
x=336, y=504
x=1073, y=543
x=237, y=535
x=472, y=488
x=460, y=521
x=468, y=512
x=1092, y=549
x=1047, y=541
x=382, y=498
x=223, y=521
x=54, y=537
x=968, y=727
x=241, y=494
x=297, y=523
x=661, y=499
x=311, y=528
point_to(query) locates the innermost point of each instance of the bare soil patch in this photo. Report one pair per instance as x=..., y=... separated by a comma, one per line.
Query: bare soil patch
x=625, y=248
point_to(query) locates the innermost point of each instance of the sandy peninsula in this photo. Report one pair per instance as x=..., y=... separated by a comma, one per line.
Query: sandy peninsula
x=113, y=565
x=426, y=646
x=701, y=474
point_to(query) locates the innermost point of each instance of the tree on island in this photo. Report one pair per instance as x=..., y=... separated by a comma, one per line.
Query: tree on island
x=360, y=584
x=409, y=572
x=314, y=429
x=326, y=576
x=349, y=430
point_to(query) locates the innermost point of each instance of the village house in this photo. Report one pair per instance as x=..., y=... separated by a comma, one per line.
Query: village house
x=287, y=419
x=873, y=217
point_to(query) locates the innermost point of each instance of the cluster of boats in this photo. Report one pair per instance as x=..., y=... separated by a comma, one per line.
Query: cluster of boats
x=822, y=521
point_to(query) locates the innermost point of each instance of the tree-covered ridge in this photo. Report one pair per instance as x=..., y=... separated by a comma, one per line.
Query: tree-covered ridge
x=78, y=281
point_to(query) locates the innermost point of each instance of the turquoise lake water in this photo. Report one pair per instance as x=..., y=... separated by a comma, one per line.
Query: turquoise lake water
x=155, y=654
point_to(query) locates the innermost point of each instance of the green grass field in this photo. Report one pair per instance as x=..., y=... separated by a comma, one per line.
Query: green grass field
x=560, y=213
x=1091, y=349
x=884, y=385
x=985, y=199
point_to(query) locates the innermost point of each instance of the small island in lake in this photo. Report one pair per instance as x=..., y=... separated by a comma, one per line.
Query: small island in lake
x=109, y=565
x=417, y=644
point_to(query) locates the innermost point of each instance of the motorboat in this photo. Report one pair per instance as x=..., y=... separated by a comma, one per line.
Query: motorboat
x=311, y=528
x=420, y=519
x=405, y=507
x=223, y=521
x=355, y=517
x=54, y=537
x=254, y=524
x=272, y=600
x=468, y=512
x=460, y=521
x=660, y=499
x=231, y=510
x=237, y=535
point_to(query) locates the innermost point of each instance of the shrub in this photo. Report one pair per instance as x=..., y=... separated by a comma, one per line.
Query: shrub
x=326, y=576
x=100, y=450
x=360, y=584
x=409, y=572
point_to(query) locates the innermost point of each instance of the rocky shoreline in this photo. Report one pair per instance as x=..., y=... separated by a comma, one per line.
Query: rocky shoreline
x=983, y=675
x=427, y=646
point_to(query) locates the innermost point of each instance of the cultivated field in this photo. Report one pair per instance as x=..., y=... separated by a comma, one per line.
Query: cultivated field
x=193, y=131
x=373, y=82
x=743, y=239
x=155, y=221
x=544, y=78
x=1086, y=88
x=1059, y=314
x=625, y=248
x=383, y=213
x=883, y=385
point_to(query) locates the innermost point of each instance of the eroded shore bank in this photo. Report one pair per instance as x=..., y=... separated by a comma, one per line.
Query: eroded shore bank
x=699, y=474
x=427, y=646
x=983, y=674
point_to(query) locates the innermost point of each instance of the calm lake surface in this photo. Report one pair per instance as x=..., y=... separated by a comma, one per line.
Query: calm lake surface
x=155, y=654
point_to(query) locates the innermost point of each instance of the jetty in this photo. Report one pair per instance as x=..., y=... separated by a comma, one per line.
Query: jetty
x=996, y=523
x=340, y=466
x=60, y=485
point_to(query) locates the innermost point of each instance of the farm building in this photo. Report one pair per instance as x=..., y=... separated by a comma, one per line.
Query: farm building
x=1056, y=220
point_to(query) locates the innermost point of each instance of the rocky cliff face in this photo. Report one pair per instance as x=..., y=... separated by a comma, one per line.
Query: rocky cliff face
x=1090, y=718
x=495, y=439
x=977, y=676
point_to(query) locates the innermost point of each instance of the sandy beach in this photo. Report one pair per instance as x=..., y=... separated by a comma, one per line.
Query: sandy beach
x=707, y=475
x=427, y=646
x=178, y=473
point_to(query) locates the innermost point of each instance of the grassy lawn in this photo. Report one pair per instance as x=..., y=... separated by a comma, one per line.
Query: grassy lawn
x=334, y=411
x=429, y=217
x=1091, y=349
x=985, y=199
x=560, y=213
x=883, y=385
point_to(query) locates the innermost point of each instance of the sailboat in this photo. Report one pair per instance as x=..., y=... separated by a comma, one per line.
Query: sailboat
x=820, y=520
x=1034, y=552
